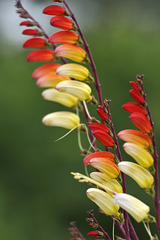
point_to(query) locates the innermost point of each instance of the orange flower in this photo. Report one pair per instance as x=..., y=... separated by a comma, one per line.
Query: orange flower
x=62, y=22
x=135, y=86
x=136, y=96
x=98, y=126
x=104, y=138
x=54, y=10
x=133, y=107
x=33, y=32
x=45, y=69
x=63, y=37
x=42, y=55
x=96, y=156
x=50, y=80
x=34, y=43
x=135, y=136
x=71, y=51
x=141, y=121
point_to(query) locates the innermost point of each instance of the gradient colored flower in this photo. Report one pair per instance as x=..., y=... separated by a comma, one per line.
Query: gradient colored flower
x=71, y=51
x=104, y=201
x=34, y=43
x=63, y=37
x=45, y=69
x=139, y=154
x=135, y=136
x=98, y=126
x=63, y=98
x=73, y=70
x=62, y=22
x=143, y=178
x=50, y=80
x=42, y=55
x=141, y=121
x=104, y=138
x=137, y=209
x=135, y=86
x=78, y=89
x=134, y=107
x=136, y=96
x=63, y=119
x=33, y=32
x=54, y=10
x=98, y=156
x=101, y=113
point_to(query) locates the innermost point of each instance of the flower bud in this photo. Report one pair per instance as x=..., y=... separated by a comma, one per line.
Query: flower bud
x=139, y=154
x=137, y=209
x=27, y=23
x=104, y=138
x=54, y=10
x=139, y=174
x=33, y=32
x=45, y=69
x=101, y=113
x=41, y=55
x=95, y=233
x=141, y=121
x=50, y=80
x=135, y=136
x=71, y=51
x=62, y=98
x=73, y=70
x=98, y=126
x=34, y=43
x=132, y=107
x=78, y=89
x=104, y=201
x=137, y=96
x=135, y=86
x=63, y=119
x=62, y=22
x=63, y=37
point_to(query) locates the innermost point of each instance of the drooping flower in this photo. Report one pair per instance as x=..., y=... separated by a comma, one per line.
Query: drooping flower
x=42, y=55
x=74, y=70
x=135, y=86
x=71, y=51
x=137, y=96
x=54, y=10
x=45, y=69
x=78, y=89
x=50, y=80
x=97, y=156
x=135, y=136
x=34, y=43
x=63, y=37
x=63, y=98
x=63, y=119
x=101, y=113
x=137, y=209
x=98, y=126
x=143, y=177
x=139, y=154
x=141, y=121
x=104, y=201
x=132, y=107
x=104, y=138
x=62, y=22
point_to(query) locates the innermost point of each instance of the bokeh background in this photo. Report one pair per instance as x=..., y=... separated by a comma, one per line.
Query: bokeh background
x=38, y=196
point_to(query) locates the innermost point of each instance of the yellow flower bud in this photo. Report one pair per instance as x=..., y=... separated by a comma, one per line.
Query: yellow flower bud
x=138, y=173
x=104, y=201
x=78, y=89
x=64, y=119
x=63, y=98
x=137, y=209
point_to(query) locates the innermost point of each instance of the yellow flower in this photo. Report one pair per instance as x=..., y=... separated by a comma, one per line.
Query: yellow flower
x=63, y=98
x=78, y=89
x=138, y=173
x=104, y=201
x=137, y=209
x=73, y=70
x=63, y=119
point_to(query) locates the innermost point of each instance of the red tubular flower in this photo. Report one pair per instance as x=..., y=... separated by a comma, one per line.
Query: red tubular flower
x=63, y=37
x=96, y=156
x=54, y=10
x=27, y=23
x=133, y=107
x=42, y=55
x=95, y=233
x=104, y=138
x=34, y=43
x=135, y=86
x=98, y=126
x=33, y=32
x=61, y=22
x=101, y=113
x=45, y=69
x=136, y=96
x=141, y=121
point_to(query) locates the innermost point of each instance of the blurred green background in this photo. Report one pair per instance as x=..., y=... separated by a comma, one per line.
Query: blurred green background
x=38, y=196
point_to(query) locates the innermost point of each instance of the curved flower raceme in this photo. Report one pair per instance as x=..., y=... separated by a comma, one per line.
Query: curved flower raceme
x=137, y=209
x=63, y=119
x=143, y=177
